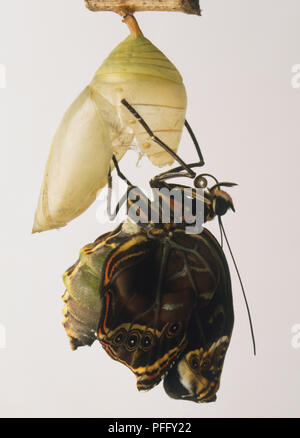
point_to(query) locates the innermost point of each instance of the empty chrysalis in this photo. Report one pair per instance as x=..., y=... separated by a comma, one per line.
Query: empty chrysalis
x=97, y=126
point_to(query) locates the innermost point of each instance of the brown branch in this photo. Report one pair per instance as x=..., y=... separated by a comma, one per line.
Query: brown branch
x=124, y=7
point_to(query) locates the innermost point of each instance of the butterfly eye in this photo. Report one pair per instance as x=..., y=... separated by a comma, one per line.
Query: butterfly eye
x=220, y=206
x=174, y=329
x=132, y=341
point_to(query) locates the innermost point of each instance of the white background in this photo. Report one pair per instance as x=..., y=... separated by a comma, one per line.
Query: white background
x=236, y=62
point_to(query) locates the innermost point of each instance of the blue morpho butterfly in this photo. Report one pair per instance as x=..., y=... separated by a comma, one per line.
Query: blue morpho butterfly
x=157, y=298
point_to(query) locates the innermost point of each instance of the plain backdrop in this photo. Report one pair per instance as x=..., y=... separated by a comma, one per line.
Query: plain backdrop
x=236, y=61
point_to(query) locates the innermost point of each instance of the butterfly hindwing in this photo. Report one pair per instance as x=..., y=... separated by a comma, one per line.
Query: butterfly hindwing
x=151, y=288
x=197, y=374
x=159, y=302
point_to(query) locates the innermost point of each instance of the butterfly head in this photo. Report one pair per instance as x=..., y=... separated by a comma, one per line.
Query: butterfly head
x=221, y=201
x=197, y=375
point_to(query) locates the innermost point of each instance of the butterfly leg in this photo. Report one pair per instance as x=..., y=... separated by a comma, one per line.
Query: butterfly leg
x=112, y=215
x=120, y=174
x=177, y=171
x=153, y=137
x=131, y=196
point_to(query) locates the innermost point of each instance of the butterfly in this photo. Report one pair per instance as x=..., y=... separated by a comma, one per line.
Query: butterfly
x=159, y=301
x=157, y=298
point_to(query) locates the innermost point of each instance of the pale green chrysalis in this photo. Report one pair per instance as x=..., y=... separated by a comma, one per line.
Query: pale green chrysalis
x=98, y=125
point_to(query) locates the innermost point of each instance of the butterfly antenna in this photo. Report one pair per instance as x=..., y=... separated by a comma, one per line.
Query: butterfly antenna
x=242, y=286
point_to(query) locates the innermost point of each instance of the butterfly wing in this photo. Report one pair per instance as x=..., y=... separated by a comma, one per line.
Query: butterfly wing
x=150, y=290
x=197, y=374
x=83, y=300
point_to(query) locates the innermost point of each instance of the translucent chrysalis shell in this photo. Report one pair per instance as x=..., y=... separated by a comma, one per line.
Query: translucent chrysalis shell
x=98, y=125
